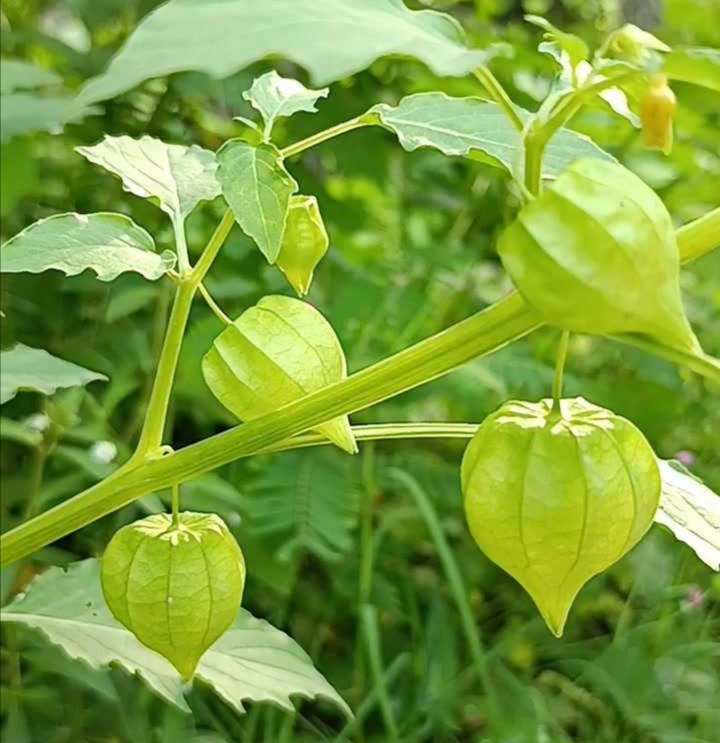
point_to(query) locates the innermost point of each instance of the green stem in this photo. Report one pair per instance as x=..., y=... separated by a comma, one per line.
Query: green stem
x=214, y=306
x=175, y=505
x=213, y=247
x=499, y=95
x=154, y=426
x=493, y=328
x=557, y=386
x=323, y=136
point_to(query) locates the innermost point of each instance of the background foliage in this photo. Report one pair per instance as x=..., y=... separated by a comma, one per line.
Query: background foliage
x=367, y=561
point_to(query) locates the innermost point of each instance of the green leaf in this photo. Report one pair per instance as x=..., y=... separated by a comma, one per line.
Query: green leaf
x=179, y=177
x=276, y=353
x=68, y=608
x=697, y=65
x=332, y=40
x=19, y=74
x=275, y=96
x=476, y=128
x=257, y=188
x=304, y=243
x=109, y=244
x=596, y=253
x=176, y=586
x=692, y=513
x=22, y=113
x=25, y=368
x=296, y=496
x=558, y=43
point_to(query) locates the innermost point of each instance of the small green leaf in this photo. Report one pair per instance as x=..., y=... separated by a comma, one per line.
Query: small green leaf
x=257, y=188
x=276, y=353
x=556, y=497
x=475, y=128
x=69, y=609
x=176, y=587
x=275, y=96
x=331, y=39
x=596, y=253
x=558, y=43
x=109, y=244
x=19, y=74
x=179, y=177
x=697, y=65
x=692, y=513
x=304, y=243
x=25, y=368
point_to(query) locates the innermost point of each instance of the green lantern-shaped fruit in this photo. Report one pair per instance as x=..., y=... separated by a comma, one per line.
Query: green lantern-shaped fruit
x=305, y=242
x=176, y=586
x=556, y=496
x=596, y=252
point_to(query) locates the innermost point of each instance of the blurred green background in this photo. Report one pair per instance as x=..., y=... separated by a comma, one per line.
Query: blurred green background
x=412, y=239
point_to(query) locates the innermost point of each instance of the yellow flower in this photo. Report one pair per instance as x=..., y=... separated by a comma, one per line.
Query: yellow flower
x=656, y=113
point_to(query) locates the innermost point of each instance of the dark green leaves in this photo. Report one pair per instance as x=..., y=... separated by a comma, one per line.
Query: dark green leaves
x=476, y=128
x=596, y=253
x=276, y=353
x=109, y=244
x=257, y=188
x=25, y=368
x=331, y=39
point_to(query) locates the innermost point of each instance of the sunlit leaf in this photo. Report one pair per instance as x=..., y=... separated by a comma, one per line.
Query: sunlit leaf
x=692, y=513
x=25, y=368
x=275, y=96
x=331, y=39
x=697, y=65
x=476, y=128
x=273, y=354
x=257, y=188
x=68, y=608
x=109, y=244
x=179, y=177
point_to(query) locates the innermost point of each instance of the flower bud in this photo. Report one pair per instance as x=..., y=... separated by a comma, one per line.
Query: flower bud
x=304, y=243
x=657, y=107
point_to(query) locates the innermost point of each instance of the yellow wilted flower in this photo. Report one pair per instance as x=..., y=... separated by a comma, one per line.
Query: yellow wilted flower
x=656, y=113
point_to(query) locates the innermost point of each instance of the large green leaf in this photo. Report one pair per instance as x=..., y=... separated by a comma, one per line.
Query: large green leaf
x=22, y=113
x=330, y=38
x=296, y=497
x=179, y=177
x=698, y=65
x=474, y=127
x=109, y=244
x=692, y=513
x=253, y=661
x=18, y=74
x=274, y=97
x=276, y=353
x=25, y=368
x=257, y=188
